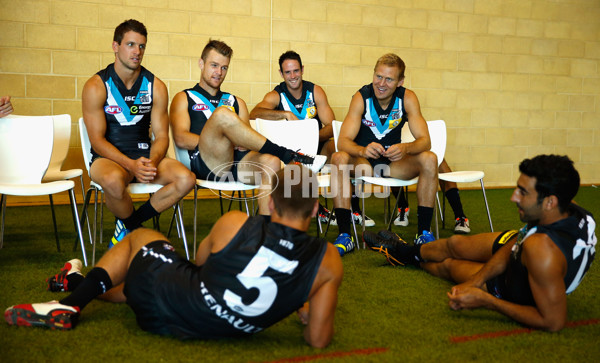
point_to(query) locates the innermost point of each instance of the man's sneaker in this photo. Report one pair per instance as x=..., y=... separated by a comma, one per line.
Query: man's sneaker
x=52, y=314
x=314, y=163
x=344, y=243
x=120, y=233
x=426, y=237
x=402, y=218
x=395, y=249
x=358, y=219
x=462, y=225
x=324, y=214
x=67, y=279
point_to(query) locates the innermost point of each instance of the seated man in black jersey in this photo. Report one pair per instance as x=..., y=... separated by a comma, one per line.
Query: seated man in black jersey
x=6, y=107
x=226, y=146
x=121, y=105
x=250, y=273
x=370, y=140
x=526, y=274
x=297, y=99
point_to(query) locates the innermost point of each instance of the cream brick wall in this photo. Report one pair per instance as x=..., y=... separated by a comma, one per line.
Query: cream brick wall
x=510, y=78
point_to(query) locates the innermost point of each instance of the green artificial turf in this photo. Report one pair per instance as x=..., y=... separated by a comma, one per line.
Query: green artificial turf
x=385, y=314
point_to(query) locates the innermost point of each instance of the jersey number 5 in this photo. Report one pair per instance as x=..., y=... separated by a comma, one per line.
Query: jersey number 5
x=252, y=277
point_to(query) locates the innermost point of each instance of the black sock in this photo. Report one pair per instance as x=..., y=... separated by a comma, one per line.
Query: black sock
x=417, y=252
x=96, y=283
x=355, y=203
x=424, y=216
x=454, y=200
x=281, y=152
x=342, y=216
x=135, y=220
x=73, y=280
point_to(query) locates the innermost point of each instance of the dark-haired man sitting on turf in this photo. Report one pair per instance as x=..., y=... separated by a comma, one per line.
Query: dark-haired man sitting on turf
x=250, y=273
x=526, y=274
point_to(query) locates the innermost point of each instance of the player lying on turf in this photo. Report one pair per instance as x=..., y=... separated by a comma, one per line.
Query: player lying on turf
x=526, y=274
x=250, y=273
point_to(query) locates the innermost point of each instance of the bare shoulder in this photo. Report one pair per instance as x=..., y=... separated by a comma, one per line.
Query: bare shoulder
x=542, y=256
x=331, y=268
x=226, y=228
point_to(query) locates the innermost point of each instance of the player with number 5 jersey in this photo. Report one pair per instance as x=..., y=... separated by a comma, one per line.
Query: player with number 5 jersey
x=250, y=273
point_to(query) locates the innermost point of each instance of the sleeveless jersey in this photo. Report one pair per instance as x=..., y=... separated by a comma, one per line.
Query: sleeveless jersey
x=303, y=107
x=264, y=274
x=128, y=112
x=379, y=125
x=576, y=239
x=202, y=104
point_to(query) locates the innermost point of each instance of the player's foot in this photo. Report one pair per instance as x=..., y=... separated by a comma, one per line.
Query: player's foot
x=395, y=249
x=52, y=314
x=120, y=233
x=68, y=278
x=389, y=235
x=324, y=214
x=314, y=163
x=462, y=225
x=402, y=218
x=344, y=243
x=426, y=237
x=358, y=219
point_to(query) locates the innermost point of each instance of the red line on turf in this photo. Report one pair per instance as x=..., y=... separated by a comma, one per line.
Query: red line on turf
x=306, y=358
x=504, y=333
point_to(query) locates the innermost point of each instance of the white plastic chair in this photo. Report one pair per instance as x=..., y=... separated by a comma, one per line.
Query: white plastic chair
x=25, y=152
x=467, y=176
x=297, y=135
x=221, y=186
x=437, y=133
x=60, y=149
x=133, y=188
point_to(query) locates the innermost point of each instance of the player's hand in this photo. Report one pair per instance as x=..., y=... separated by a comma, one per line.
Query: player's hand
x=289, y=116
x=5, y=106
x=144, y=170
x=373, y=151
x=396, y=152
x=303, y=313
x=465, y=297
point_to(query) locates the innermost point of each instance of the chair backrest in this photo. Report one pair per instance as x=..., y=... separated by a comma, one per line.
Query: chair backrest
x=62, y=140
x=86, y=145
x=181, y=154
x=336, y=126
x=299, y=135
x=437, y=133
x=25, y=148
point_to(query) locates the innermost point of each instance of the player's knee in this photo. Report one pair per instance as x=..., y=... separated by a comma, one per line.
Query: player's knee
x=340, y=158
x=185, y=181
x=113, y=183
x=225, y=116
x=453, y=246
x=270, y=161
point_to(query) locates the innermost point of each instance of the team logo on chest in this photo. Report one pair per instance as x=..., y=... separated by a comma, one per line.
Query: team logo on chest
x=112, y=110
x=200, y=107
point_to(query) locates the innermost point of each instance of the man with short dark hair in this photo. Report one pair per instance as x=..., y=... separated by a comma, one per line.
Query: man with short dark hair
x=214, y=127
x=250, y=273
x=526, y=274
x=121, y=105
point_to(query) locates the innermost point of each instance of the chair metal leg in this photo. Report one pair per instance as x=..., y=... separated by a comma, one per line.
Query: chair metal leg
x=84, y=216
x=2, y=212
x=182, y=231
x=54, y=222
x=196, y=214
x=83, y=195
x=77, y=225
x=487, y=208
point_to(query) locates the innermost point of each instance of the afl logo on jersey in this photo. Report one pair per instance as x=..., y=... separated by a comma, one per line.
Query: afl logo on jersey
x=200, y=107
x=368, y=123
x=112, y=110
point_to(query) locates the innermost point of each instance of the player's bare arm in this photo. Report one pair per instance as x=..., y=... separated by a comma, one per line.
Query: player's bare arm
x=243, y=114
x=266, y=109
x=159, y=123
x=93, y=97
x=180, y=123
x=220, y=235
x=350, y=128
x=323, y=300
x=325, y=113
